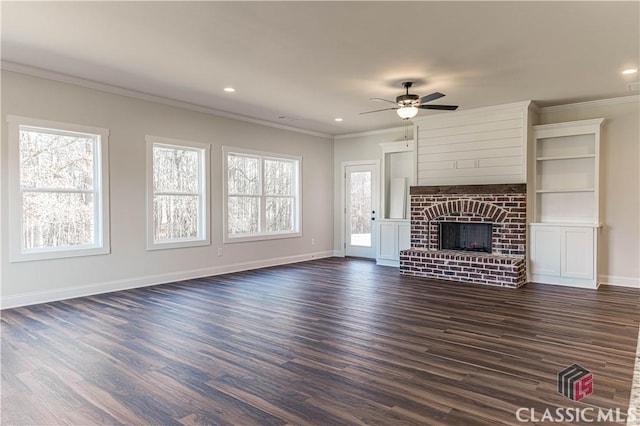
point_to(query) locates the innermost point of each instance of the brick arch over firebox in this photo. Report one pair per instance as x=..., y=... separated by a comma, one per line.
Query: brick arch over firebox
x=466, y=207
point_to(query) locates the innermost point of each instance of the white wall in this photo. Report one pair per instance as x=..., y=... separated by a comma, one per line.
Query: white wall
x=129, y=263
x=619, y=182
x=358, y=147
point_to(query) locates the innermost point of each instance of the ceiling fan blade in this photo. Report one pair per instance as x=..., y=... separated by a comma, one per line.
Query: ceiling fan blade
x=440, y=107
x=432, y=97
x=384, y=100
x=377, y=110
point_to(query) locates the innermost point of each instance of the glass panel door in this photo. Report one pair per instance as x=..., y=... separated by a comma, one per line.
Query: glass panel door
x=361, y=193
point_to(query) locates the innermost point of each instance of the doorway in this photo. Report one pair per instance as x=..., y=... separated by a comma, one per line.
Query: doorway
x=361, y=189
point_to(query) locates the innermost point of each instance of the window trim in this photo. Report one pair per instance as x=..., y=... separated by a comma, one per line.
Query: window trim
x=261, y=236
x=101, y=190
x=204, y=231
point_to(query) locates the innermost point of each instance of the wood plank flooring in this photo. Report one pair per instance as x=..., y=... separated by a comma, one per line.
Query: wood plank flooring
x=327, y=342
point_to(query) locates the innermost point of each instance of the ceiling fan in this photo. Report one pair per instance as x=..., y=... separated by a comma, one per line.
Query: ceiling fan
x=407, y=105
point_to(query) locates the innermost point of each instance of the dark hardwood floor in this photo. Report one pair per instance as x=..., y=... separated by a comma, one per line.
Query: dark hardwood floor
x=327, y=342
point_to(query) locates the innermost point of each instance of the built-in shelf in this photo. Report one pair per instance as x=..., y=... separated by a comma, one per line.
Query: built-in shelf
x=546, y=191
x=566, y=157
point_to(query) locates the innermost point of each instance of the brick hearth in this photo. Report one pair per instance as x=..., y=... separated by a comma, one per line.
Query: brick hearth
x=502, y=205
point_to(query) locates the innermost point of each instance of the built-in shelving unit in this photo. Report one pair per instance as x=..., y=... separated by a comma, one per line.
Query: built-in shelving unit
x=566, y=211
x=566, y=171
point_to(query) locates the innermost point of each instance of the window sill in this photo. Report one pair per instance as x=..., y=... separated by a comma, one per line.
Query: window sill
x=176, y=244
x=261, y=237
x=58, y=254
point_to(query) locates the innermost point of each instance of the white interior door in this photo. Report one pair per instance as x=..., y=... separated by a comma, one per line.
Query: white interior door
x=361, y=207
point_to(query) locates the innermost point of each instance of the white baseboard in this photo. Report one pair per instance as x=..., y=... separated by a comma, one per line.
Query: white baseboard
x=569, y=282
x=620, y=281
x=338, y=253
x=386, y=262
x=33, y=298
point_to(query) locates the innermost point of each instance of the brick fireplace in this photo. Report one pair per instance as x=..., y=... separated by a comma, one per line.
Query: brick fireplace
x=501, y=206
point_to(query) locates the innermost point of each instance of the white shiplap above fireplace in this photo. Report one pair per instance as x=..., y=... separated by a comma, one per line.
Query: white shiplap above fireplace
x=480, y=146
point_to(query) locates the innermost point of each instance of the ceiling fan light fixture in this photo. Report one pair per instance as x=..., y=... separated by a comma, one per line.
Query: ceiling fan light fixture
x=407, y=104
x=407, y=112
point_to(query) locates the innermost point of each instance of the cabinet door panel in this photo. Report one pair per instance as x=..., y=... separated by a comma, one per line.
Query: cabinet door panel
x=404, y=236
x=545, y=251
x=577, y=256
x=387, y=248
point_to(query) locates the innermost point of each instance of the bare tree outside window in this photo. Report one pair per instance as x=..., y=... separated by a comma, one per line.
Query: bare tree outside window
x=243, y=215
x=261, y=195
x=278, y=188
x=361, y=209
x=57, y=186
x=176, y=192
x=243, y=181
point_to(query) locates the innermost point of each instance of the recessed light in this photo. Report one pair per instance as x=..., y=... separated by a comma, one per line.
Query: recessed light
x=630, y=71
x=338, y=119
x=229, y=89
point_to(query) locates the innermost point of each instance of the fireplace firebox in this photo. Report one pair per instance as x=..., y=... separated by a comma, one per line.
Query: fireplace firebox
x=466, y=236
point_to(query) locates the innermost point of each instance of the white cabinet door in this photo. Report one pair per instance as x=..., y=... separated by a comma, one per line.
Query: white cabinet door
x=393, y=235
x=564, y=255
x=387, y=248
x=404, y=236
x=545, y=250
x=577, y=253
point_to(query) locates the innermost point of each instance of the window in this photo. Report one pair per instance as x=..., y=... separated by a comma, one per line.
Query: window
x=177, y=205
x=59, y=205
x=263, y=195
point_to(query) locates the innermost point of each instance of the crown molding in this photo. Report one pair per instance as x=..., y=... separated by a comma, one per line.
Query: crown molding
x=90, y=84
x=592, y=104
x=534, y=106
x=371, y=132
x=492, y=109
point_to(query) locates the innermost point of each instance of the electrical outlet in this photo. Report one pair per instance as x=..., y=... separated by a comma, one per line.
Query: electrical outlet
x=313, y=241
x=220, y=252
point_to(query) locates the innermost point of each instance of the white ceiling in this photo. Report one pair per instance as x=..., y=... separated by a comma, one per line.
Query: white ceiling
x=314, y=61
